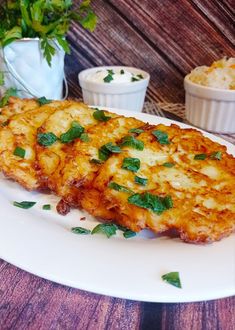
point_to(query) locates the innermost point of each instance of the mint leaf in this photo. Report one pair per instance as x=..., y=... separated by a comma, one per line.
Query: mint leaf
x=46, y=139
x=131, y=164
x=172, y=278
x=73, y=133
x=108, y=78
x=129, y=234
x=24, y=204
x=46, y=207
x=162, y=137
x=131, y=141
x=108, y=229
x=152, y=202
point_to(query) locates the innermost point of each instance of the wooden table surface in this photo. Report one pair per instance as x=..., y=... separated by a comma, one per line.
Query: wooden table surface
x=166, y=38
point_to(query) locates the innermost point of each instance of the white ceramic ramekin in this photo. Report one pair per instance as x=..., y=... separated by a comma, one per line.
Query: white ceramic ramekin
x=128, y=95
x=211, y=109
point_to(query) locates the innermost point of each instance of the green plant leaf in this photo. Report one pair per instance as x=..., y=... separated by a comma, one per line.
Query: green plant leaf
x=9, y=92
x=2, y=80
x=11, y=35
x=152, y=202
x=20, y=152
x=108, y=229
x=100, y=115
x=73, y=133
x=131, y=141
x=118, y=187
x=81, y=231
x=48, y=50
x=43, y=100
x=131, y=164
x=172, y=278
x=46, y=139
x=24, y=204
x=162, y=137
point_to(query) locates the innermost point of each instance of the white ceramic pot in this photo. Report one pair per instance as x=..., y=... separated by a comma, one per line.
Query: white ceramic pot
x=211, y=109
x=26, y=69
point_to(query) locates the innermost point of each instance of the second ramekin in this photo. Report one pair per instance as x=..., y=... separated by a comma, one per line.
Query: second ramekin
x=211, y=109
x=128, y=95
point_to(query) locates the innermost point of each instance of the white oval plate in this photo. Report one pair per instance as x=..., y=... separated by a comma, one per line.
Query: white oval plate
x=41, y=243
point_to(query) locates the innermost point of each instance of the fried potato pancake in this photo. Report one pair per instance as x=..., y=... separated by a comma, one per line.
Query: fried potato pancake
x=200, y=190
x=16, y=106
x=81, y=163
x=51, y=158
x=21, y=132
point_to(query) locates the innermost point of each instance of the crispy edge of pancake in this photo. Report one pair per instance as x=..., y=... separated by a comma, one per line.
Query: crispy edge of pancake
x=21, y=131
x=110, y=205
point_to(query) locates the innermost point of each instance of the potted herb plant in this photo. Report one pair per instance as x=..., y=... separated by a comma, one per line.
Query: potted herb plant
x=33, y=44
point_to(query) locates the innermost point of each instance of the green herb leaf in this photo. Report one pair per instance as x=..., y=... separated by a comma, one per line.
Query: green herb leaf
x=200, y=157
x=216, y=155
x=108, y=78
x=109, y=229
x=80, y=230
x=43, y=100
x=24, y=204
x=172, y=278
x=162, y=137
x=11, y=35
x=100, y=115
x=20, y=152
x=152, y=202
x=73, y=133
x=133, y=79
x=118, y=187
x=131, y=164
x=84, y=137
x=64, y=44
x=107, y=149
x=9, y=92
x=96, y=161
x=136, y=130
x=140, y=76
x=168, y=164
x=122, y=71
x=46, y=139
x=141, y=181
x=131, y=141
x=48, y=50
x=46, y=207
x=129, y=234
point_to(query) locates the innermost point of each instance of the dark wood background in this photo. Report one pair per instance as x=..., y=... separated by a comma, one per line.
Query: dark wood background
x=167, y=38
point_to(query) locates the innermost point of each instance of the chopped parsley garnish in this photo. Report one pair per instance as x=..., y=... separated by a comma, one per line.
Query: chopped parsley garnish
x=46, y=207
x=100, y=115
x=152, y=202
x=169, y=165
x=131, y=141
x=96, y=161
x=129, y=234
x=131, y=164
x=216, y=155
x=109, y=229
x=73, y=133
x=46, y=139
x=24, y=204
x=122, y=71
x=81, y=231
x=141, y=181
x=200, y=157
x=84, y=137
x=20, y=152
x=162, y=137
x=136, y=130
x=140, y=76
x=134, y=79
x=109, y=77
x=118, y=187
x=43, y=100
x=107, y=149
x=172, y=278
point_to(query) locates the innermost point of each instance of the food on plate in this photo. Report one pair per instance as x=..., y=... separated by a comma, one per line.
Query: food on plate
x=123, y=170
x=221, y=74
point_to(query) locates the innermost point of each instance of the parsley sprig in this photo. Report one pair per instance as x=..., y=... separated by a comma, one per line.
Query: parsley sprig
x=43, y=19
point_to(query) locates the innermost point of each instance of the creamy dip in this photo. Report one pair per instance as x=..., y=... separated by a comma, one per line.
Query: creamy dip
x=114, y=76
